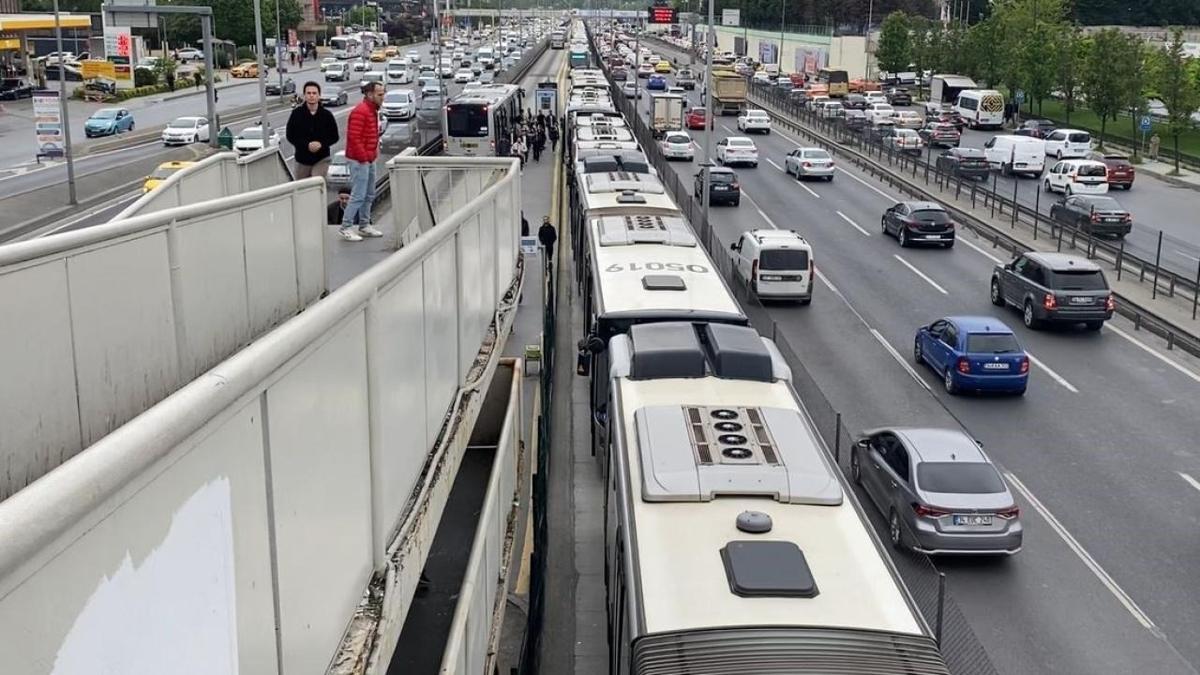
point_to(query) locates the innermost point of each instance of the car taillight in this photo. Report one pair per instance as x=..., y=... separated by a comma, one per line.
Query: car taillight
x=1126, y=218
x=1009, y=513
x=735, y=186
x=1110, y=304
x=807, y=165
x=1049, y=302
x=964, y=365
x=1024, y=366
x=922, y=510
x=1095, y=217
x=753, y=270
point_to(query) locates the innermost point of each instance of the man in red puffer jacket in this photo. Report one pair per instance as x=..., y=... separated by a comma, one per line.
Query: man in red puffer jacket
x=362, y=148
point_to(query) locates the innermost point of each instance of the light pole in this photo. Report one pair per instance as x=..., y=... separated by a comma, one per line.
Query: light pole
x=262, y=72
x=278, y=49
x=867, y=41
x=62, y=102
x=709, y=115
x=782, y=27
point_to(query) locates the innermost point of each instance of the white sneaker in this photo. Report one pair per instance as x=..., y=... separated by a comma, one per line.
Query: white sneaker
x=368, y=231
x=349, y=234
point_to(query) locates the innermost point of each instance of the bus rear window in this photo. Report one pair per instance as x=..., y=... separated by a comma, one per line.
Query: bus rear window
x=467, y=121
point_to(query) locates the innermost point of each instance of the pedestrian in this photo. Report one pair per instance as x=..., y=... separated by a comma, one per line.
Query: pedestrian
x=362, y=148
x=300, y=61
x=197, y=77
x=171, y=78
x=336, y=210
x=524, y=225
x=547, y=236
x=519, y=150
x=525, y=140
x=312, y=130
x=539, y=144
x=1154, y=143
x=553, y=134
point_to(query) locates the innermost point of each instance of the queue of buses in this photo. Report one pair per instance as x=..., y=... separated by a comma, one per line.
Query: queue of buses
x=733, y=543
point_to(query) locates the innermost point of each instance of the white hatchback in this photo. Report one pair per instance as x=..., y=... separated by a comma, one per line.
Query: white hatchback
x=678, y=145
x=737, y=150
x=1069, y=143
x=463, y=76
x=1077, y=177
x=754, y=120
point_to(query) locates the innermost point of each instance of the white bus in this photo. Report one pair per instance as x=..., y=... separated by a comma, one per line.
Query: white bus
x=345, y=47
x=558, y=39
x=479, y=117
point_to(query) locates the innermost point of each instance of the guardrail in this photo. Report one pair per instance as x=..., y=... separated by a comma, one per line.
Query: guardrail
x=105, y=322
x=213, y=177
x=902, y=172
x=246, y=513
x=471, y=645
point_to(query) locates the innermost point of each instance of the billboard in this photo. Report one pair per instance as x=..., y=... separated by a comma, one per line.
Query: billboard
x=768, y=52
x=731, y=17
x=47, y=124
x=118, y=48
x=661, y=15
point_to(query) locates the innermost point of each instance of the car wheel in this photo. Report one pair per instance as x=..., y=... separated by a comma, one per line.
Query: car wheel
x=948, y=381
x=902, y=237
x=950, y=244
x=1027, y=316
x=918, y=353
x=883, y=225
x=1094, y=325
x=1058, y=154
x=997, y=296
x=1046, y=185
x=894, y=532
x=196, y=138
x=855, y=469
x=737, y=202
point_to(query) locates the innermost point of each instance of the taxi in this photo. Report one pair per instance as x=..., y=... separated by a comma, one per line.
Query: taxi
x=391, y=51
x=245, y=69
x=378, y=55
x=663, y=67
x=163, y=172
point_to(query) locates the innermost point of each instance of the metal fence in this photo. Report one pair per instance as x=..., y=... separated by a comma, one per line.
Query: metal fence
x=921, y=176
x=960, y=647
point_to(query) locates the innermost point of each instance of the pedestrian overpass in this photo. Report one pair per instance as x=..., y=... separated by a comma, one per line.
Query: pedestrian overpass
x=214, y=457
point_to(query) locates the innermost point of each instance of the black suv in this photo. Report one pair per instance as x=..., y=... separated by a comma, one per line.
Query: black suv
x=1054, y=288
x=919, y=223
x=723, y=186
x=899, y=97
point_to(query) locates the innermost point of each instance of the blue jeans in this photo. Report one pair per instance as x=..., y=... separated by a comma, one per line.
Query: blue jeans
x=362, y=193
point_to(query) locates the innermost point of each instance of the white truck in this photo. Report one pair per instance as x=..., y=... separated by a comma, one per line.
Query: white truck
x=946, y=88
x=666, y=113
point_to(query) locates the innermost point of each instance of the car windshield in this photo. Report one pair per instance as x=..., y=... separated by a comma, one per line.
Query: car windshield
x=741, y=143
x=678, y=138
x=937, y=217
x=1079, y=280
x=720, y=177
x=396, y=97
x=106, y=114
x=1103, y=204
x=163, y=172
x=970, y=153
x=183, y=123
x=964, y=478
x=1079, y=137
x=816, y=154
x=254, y=133
x=992, y=343
x=1093, y=170
x=430, y=104
x=783, y=259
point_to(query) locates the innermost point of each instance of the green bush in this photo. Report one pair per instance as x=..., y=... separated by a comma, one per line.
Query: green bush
x=222, y=60
x=144, y=78
x=245, y=54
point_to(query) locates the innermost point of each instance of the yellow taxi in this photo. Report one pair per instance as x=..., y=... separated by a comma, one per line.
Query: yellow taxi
x=244, y=69
x=663, y=67
x=378, y=55
x=391, y=51
x=162, y=173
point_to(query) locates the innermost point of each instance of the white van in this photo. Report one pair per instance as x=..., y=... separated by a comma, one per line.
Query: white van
x=1016, y=154
x=398, y=72
x=486, y=56
x=1069, y=143
x=981, y=108
x=1077, y=177
x=775, y=264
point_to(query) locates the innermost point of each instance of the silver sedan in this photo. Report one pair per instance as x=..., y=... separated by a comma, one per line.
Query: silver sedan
x=809, y=163
x=938, y=490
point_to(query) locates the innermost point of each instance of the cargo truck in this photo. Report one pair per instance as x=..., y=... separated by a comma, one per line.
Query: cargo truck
x=729, y=92
x=666, y=113
x=946, y=88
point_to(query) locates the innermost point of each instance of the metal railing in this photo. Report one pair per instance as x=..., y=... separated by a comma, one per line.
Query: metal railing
x=924, y=179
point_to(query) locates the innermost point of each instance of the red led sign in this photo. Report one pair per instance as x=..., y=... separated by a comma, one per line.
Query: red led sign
x=661, y=15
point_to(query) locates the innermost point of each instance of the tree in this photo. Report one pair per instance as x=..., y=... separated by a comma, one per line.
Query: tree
x=893, y=54
x=361, y=15
x=984, y=52
x=1177, y=85
x=1112, y=61
x=927, y=46
x=1070, y=57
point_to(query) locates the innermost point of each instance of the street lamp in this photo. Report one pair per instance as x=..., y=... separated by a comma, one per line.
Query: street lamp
x=709, y=119
x=262, y=73
x=62, y=102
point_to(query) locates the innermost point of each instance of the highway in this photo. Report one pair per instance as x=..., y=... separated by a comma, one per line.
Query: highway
x=1098, y=452
x=118, y=159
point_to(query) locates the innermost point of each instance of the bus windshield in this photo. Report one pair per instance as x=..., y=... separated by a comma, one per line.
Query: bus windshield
x=467, y=120
x=835, y=76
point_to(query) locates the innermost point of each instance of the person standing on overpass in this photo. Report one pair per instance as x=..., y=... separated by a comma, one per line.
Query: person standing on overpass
x=362, y=149
x=312, y=131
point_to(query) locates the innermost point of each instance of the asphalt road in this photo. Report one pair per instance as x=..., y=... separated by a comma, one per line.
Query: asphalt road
x=115, y=159
x=1099, y=450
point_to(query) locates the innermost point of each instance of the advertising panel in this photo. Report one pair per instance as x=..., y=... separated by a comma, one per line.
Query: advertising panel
x=47, y=124
x=731, y=17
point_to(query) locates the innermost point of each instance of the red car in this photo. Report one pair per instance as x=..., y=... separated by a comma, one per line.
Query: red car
x=696, y=117
x=1120, y=171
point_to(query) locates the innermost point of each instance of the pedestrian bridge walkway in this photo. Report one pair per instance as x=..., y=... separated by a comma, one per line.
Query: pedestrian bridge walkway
x=228, y=436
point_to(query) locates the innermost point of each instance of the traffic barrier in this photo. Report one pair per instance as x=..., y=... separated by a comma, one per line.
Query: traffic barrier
x=211, y=178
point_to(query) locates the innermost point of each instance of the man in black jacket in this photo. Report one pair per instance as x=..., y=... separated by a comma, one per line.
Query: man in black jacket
x=547, y=236
x=312, y=131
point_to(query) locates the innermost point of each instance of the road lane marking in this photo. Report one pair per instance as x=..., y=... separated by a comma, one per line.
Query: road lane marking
x=726, y=128
x=1150, y=350
x=1083, y=555
x=900, y=359
x=856, y=225
x=1057, y=378
x=919, y=273
x=981, y=251
x=1191, y=481
x=1189, y=257
x=885, y=195
x=772, y=163
x=810, y=190
x=760, y=211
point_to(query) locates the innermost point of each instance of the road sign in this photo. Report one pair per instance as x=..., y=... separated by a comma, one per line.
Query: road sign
x=731, y=17
x=1144, y=123
x=1019, y=97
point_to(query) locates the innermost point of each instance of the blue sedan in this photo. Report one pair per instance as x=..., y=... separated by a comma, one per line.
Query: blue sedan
x=657, y=82
x=976, y=353
x=108, y=122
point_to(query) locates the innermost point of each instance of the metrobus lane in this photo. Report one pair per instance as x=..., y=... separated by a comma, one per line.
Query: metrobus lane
x=1098, y=432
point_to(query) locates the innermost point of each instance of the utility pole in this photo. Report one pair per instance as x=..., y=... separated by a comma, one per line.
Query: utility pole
x=278, y=49
x=262, y=71
x=709, y=115
x=782, y=27
x=62, y=102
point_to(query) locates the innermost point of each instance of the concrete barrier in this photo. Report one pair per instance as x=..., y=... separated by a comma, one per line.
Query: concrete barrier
x=245, y=521
x=214, y=177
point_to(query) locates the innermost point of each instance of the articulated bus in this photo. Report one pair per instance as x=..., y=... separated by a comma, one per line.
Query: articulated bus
x=579, y=57
x=837, y=80
x=477, y=118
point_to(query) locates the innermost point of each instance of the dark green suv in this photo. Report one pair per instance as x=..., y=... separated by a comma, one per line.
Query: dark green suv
x=1054, y=288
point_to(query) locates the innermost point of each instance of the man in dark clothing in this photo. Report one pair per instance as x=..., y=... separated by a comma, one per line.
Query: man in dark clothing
x=171, y=78
x=547, y=236
x=552, y=132
x=312, y=131
x=524, y=225
x=333, y=214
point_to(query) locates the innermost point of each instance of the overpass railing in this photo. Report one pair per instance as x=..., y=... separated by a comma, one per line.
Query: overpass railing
x=102, y=323
x=214, y=177
x=273, y=515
